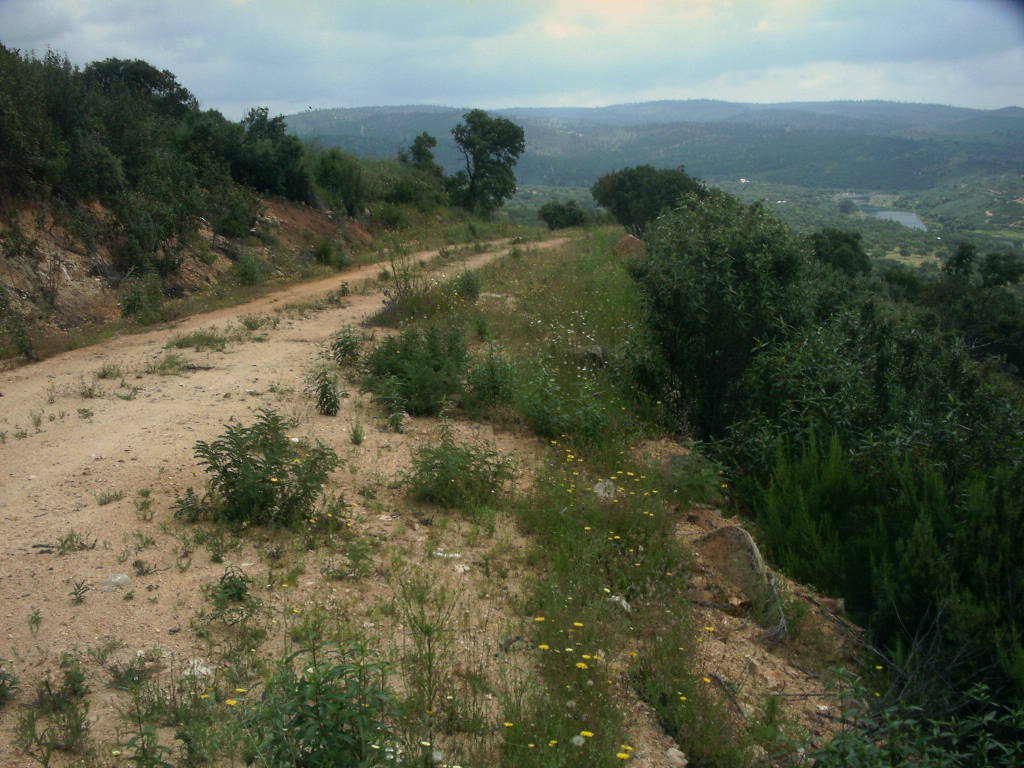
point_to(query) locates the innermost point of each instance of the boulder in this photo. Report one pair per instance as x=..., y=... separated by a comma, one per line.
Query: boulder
x=733, y=553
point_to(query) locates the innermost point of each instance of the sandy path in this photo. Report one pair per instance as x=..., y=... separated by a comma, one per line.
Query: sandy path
x=50, y=478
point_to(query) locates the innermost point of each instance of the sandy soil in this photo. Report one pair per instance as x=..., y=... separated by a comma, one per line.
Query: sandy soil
x=52, y=472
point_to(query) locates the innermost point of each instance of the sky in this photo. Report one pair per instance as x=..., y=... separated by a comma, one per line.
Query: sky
x=291, y=55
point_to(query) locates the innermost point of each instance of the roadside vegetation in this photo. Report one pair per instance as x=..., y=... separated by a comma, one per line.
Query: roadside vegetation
x=864, y=422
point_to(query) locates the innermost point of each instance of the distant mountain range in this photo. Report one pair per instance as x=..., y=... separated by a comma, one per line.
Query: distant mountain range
x=876, y=145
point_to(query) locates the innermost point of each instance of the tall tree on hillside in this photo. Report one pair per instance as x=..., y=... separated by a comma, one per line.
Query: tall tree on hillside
x=491, y=146
x=142, y=80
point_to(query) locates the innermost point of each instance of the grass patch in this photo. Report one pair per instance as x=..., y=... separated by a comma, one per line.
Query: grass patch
x=457, y=475
x=202, y=339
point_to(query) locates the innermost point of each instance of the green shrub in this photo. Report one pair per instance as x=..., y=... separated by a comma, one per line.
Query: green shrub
x=16, y=325
x=142, y=297
x=8, y=683
x=344, y=346
x=326, y=252
x=257, y=475
x=556, y=407
x=326, y=706
x=989, y=734
x=251, y=270
x=457, y=474
x=466, y=285
x=490, y=382
x=714, y=258
x=559, y=215
x=323, y=385
x=390, y=216
x=417, y=371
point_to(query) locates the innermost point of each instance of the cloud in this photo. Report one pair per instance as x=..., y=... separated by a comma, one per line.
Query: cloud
x=290, y=54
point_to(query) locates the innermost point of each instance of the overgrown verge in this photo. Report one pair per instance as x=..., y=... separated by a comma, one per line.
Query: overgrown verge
x=878, y=456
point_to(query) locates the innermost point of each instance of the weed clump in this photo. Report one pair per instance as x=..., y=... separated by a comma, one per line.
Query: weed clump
x=333, y=711
x=417, y=371
x=490, y=382
x=258, y=475
x=457, y=474
x=344, y=347
x=323, y=386
x=8, y=684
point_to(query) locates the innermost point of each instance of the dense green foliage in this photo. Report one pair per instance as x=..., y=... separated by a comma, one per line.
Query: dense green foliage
x=326, y=706
x=454, y=474
x=130, y=137
x=723, y=280
x=878, y=453
x=636, y=196
x=417, y=371
x=490, y=147
x=841, y=250
x=559, y=215
x=898, y=736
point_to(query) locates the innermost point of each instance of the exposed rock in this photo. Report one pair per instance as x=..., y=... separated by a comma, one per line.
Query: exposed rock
x=734, y=555
x=117, y=580
x=620, y=601
x=676, y=758
x=604, y=490
x=197, y=668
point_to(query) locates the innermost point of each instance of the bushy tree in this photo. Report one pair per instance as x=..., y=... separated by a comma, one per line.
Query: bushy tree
x=636, y=196
x=420, y=155
x=842, y=250
x=559, y=215
x=339, y=177
x=490, y=147
x=722, y=280
x=142, y=80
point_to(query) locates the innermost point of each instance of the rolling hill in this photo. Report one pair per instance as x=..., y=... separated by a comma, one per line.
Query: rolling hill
x=842, y=144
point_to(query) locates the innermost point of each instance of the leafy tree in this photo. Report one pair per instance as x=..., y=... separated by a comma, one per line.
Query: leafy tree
x=637, y=196
x=1000, y=269
x=142, y=80
x=271, y=160
x=420, y=155
x=490, y=146
x=847, y=206
x=842, y=250
x=558, y=215
x=961, y=262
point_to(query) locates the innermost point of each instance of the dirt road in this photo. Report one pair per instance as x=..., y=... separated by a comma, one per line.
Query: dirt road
x=71, y=438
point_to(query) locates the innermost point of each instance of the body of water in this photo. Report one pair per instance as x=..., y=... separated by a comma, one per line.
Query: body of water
x=906, y=218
